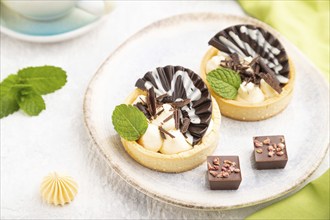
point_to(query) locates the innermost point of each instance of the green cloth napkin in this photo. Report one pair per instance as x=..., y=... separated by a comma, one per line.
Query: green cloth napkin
x=306, y=24
x=312, y=202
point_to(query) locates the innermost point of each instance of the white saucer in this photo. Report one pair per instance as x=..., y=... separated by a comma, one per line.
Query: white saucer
x=76, y=23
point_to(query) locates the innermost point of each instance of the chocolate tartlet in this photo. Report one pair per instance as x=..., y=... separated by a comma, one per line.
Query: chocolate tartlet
x=177, y=102
x=267, y=75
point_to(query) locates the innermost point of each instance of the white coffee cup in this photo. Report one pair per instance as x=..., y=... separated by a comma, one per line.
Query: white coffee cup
x=46, y=9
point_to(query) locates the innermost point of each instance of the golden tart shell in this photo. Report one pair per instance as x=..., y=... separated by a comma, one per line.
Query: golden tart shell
x=246, y=111
x=180, y=162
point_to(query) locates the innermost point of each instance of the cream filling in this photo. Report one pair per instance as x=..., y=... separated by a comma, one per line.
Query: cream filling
x=268, y=91
x=249, y=92
x=168, y=125
x=152, y=140
x=175, y=145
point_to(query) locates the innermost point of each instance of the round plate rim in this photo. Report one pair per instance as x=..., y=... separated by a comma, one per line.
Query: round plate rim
x=163, y=198
x=52, y=38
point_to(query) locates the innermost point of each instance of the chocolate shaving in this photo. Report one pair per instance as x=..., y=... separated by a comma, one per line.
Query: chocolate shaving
x=180, y=104
x=151, y=102
x=168, y=118
x=160, y=98
x=254, y=61
x=235, y=58
x=143, y=109
x=160, y=112
x=176, y=115
x=162, y=134
x=270, y=77
x=142, y=101
x=257, y=69
x=185, y=114
x=165, y=132
x=185, y=125
x=167, y=99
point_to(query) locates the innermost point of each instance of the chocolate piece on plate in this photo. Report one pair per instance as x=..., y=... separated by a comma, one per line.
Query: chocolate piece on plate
x=270, y=152
x=223, y=172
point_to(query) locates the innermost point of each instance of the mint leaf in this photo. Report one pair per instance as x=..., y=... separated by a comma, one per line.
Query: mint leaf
x=24, y=89
x=44, y=79
x=31, y=102
x=129, y=122
x=9, y=92
x=224, y=82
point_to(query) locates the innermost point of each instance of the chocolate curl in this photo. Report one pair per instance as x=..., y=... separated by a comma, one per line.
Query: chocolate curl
x=165, y=132
x=180, y=104
x=185, y=125
x=176, y=115
x=151, y=102
x=162, y=133
x=168, y=118
x=143, y=109
x=270, y=77
x=235, y=59
x=161, y=97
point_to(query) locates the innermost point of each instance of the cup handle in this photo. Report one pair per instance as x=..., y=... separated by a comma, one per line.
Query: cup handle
x=97, y=8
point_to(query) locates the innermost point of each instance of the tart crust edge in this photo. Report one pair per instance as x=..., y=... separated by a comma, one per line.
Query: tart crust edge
x=180, y=162
x=250, y=112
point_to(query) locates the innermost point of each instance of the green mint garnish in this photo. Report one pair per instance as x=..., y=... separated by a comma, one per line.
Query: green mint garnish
x=24, y=89
x=224, y=82
x=31, y=102
x=129, y=122
x=44, y=79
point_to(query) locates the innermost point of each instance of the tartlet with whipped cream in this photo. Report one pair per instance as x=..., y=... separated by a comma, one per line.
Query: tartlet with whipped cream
x=266, y=74
x=183, y=120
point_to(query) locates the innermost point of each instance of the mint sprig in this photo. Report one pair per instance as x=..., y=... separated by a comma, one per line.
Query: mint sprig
x=224, y=82
x=44, y=79
x=129, y=122
x=24, y=89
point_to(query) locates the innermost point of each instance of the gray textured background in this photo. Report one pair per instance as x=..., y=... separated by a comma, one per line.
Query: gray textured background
x=56, y=140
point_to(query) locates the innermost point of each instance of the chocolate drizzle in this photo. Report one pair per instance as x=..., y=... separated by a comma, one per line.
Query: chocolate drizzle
x=188, y=95
x=249, y=40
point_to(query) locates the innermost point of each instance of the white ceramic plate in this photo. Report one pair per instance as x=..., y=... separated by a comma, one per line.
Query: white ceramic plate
x=182, y=40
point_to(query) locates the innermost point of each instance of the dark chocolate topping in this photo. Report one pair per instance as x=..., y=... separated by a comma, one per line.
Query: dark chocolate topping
x=185, y=125
x=185, y=90
x=249, y=40
x=269, y=77
x=176, y=114
x=151, y=101
x=162, y=130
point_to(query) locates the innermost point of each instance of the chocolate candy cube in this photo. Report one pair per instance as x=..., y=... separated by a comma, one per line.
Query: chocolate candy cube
x=223, y=172
x=270, y=152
